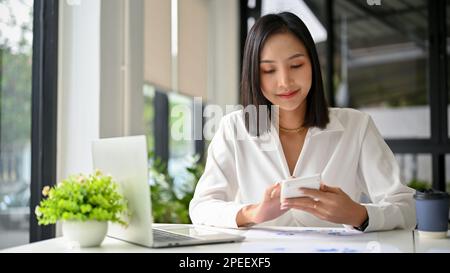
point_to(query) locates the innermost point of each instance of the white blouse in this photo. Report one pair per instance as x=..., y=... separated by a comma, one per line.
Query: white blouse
x=350, y=153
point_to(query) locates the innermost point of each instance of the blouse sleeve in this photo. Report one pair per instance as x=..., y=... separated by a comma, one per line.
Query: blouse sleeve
x=392, y=202
x=213, y=202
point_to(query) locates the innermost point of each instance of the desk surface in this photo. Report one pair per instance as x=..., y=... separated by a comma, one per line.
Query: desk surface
x=272, y=239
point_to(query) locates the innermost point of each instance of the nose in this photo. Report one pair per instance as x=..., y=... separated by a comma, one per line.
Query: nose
x=284, y=79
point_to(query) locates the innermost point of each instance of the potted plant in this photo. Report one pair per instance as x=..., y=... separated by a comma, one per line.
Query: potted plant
x=85, y=204
x=170, y=201
x=419, y=185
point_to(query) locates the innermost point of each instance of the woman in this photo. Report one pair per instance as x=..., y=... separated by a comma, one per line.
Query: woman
x=238, y=187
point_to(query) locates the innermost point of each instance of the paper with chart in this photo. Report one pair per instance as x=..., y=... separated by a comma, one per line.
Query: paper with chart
x=326, y=240
x=304, y=232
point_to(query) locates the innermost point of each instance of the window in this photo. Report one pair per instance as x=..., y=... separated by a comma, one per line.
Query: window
x=16, y=37
x=180, y=140
x=415, y=168
x=149, y=116
x=387, y=66
x=176, y=64
x=382, y=64
x=387, y=60
x=181, y=143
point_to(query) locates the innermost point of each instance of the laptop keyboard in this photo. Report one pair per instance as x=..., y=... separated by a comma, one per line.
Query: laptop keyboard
x=164, y=236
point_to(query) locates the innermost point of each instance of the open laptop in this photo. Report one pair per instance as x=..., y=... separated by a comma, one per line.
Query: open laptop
x=125, y=158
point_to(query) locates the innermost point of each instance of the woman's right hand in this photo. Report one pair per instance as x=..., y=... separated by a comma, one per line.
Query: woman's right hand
x=267, y=210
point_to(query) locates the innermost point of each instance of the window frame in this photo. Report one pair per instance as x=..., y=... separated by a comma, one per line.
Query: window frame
x=44, y=109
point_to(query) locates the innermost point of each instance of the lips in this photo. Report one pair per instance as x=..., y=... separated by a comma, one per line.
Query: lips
x=289, y=94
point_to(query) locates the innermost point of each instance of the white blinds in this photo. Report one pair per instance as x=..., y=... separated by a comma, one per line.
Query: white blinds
x=191, y=69
x=157, y=42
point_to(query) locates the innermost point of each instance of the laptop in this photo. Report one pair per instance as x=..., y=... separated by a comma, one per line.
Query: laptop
x=125, y=158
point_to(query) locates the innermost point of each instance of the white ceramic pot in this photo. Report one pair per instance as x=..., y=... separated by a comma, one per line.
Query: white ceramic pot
x=86, y=234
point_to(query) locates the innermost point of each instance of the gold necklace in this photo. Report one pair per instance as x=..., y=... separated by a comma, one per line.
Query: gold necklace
x=296, y=130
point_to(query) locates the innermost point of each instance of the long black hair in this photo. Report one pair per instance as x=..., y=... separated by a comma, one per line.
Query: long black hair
x=251, y=93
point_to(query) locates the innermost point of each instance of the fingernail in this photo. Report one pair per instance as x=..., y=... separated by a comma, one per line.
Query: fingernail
x=301, y=191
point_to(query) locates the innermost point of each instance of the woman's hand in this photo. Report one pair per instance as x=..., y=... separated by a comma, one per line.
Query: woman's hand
x=330, y=204
x=267, y=210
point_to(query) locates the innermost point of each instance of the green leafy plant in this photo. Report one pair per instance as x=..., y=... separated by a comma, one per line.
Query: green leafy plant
x=419, y=185
x=82, y=198
x=170, y=202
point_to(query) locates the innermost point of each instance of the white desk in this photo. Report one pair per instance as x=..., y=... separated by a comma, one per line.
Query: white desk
x=287, y=239
x=422, y=245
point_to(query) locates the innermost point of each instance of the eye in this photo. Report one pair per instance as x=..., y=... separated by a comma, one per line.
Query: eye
x=297, y=66
x=268, y=71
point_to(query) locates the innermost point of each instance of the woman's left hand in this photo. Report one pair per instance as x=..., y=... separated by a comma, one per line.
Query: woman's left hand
x=330, y=204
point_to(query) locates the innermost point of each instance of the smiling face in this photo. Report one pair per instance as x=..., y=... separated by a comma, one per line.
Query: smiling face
x=285, y=71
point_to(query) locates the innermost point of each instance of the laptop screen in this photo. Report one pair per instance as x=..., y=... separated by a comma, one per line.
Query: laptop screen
x=125, y=159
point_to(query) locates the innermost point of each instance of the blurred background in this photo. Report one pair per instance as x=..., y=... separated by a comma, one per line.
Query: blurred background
x=75, y=70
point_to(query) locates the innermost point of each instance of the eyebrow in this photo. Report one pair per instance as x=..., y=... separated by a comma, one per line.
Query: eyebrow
x=290, y=58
